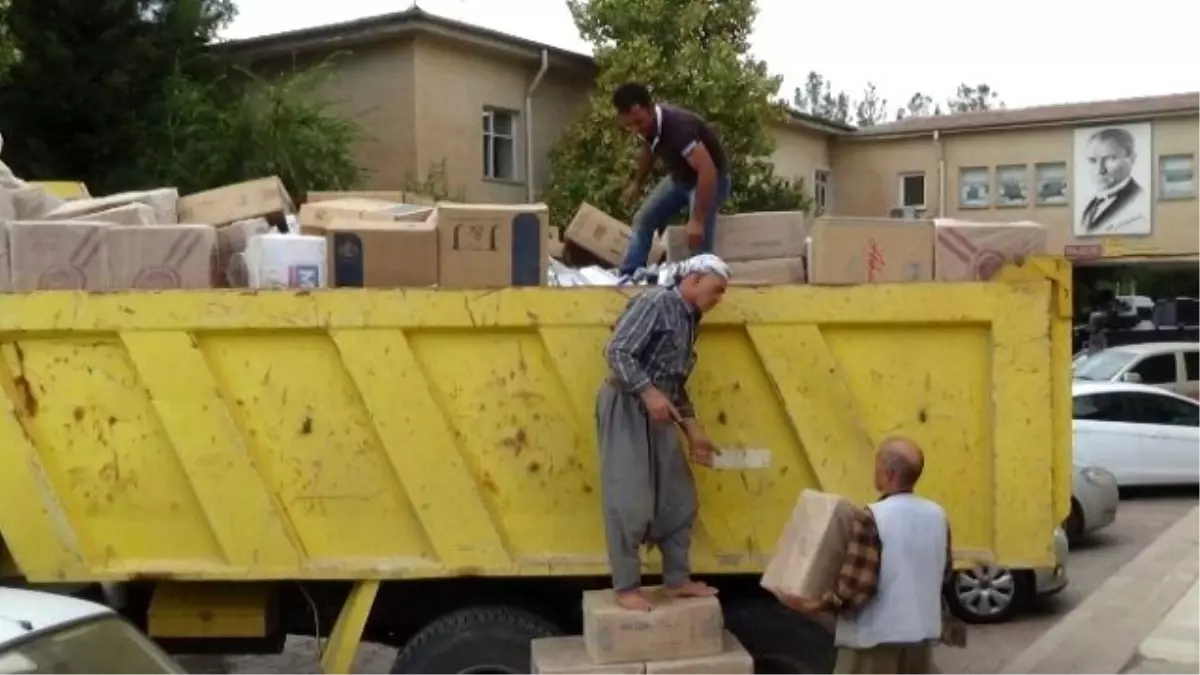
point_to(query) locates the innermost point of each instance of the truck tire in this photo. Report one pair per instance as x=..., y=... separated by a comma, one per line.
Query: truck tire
x=475, y=640
x=780, y=640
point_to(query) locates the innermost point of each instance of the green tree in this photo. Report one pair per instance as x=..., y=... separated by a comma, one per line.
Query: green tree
x=870, y=109
x=692, y=53
x=817, y=98
x=974, y=99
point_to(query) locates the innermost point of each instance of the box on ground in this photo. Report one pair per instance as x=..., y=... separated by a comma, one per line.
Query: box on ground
x=491, y=245
x=870, y=250
x=568, y=656
x=315, y=217
x=809, y=553
x=676, y=628
x=58, y=255
x=161, y=256
x=375, y=254
x=261, y=198
x=605, y=237
x=747, y=236
x=971, y=251
x=397, y=196
x=767, y=272
x=163, y=203
x=733, y=660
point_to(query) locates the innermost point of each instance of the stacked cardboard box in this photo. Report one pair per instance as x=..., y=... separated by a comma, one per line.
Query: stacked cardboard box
x=594, y=237
x=680, y=635
x=761, y=248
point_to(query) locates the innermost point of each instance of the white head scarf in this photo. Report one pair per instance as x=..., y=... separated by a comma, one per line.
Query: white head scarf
x=705, y=263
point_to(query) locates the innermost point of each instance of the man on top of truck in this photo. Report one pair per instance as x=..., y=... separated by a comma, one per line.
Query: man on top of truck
x=699, y=172
x=647, y=487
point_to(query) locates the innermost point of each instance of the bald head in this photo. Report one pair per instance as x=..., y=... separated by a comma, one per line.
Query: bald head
x=899, y=462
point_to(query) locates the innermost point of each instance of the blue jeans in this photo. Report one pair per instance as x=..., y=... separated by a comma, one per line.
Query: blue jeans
x=666, y=200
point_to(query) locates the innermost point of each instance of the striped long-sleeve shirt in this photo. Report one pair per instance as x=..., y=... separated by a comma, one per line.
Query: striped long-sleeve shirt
x=652, y=345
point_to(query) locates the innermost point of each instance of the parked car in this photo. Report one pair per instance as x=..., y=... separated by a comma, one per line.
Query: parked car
x=52, y=633
x=990, y=594
x=1174, y=366
x=1094, y=500
x=1144, y=435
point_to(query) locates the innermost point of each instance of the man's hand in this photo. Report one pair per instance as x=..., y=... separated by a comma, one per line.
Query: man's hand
x=695, y=236
x=631, y=193
x=701, y=447
x=658, y=406
x=796, y=603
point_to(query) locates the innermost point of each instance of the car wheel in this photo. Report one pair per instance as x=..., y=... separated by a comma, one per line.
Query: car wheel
x=475, y=640
x=986, y=594
x=1074, y=525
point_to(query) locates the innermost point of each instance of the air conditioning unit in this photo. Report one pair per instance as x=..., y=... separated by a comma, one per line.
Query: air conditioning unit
x=904, y=213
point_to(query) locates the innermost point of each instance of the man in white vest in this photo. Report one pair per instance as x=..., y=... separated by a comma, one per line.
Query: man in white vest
x=888, y=599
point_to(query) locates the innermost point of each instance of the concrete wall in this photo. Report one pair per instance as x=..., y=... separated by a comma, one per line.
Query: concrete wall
x=799, y=153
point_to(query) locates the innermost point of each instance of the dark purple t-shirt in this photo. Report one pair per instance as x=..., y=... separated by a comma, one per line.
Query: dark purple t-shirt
x=681, y=130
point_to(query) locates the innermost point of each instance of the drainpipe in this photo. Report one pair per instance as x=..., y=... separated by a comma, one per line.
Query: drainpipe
x=537, y=79
x=941, y=155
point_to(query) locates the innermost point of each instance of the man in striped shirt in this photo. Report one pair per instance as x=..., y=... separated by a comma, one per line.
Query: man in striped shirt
x=648, y=493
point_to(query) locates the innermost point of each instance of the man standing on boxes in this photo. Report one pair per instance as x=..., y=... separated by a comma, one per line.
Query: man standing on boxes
x=699, y=172
x=888, y=599
x=648, y=493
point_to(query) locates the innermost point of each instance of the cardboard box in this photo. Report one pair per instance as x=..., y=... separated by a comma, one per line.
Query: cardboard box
x=396, y=196
x=314, y=218
x=568, y=656
x=768, y=272
x=747, y=236
x=161, y=256
x=5, y=267
x=809, y=553
x=733, y=660
x=162, y=202
x=675, y=629
x=129, y=214
x=33, y=202
x=230, y=271
x=870, y=250
x=373, y=254
x=261, y=198
x=58, y=255
x=605, y=237
x=491, y=245
x=968, y=251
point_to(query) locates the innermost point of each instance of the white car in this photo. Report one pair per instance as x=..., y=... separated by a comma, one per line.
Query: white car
x=1094, y=500
x=52, y=633
x=1143, y=435
x=1174, y=366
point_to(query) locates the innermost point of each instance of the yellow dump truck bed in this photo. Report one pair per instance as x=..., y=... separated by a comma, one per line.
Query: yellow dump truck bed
x=365, y=434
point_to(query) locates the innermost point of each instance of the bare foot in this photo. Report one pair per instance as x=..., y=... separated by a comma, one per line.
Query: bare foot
x=691, y=589
x=634, y=600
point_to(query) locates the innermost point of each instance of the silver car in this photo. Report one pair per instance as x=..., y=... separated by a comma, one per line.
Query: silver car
x=1094, y=500
x=990, y=594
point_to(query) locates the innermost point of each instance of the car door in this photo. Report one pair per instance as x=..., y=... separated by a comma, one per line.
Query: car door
x=1106, y=436
x=1169, y=436
x=1191, y=374
x=1158, y=370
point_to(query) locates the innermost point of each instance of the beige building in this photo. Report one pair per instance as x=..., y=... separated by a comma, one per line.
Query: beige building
x=488, y=107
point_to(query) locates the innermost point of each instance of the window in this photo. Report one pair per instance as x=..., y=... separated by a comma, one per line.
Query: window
x=1012, y=185
x=912, y=190
x=1191, y=363
x=1050, y=181
x=821, y=190
x=1162, y=409
x=499, y=144
x=1176, y=177
x=1100, y=408
x=1157, y=369
x=974, y=184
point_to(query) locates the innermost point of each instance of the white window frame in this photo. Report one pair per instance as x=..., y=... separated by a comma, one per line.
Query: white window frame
x=900, y=178
x=489, y=138
x=822, y=181
x=1162, y=160
x=1039, y=173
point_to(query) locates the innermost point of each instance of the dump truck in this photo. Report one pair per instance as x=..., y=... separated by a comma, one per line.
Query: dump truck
x=418, y=467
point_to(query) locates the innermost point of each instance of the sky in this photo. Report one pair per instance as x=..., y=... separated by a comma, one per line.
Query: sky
x=1032, y=52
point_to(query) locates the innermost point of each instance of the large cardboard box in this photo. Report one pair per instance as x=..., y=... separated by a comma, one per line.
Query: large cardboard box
x=374, y=254
x=768, y=272
x=675, y=629
x=230, y=269
x=58, y=255
x=747, y=236
x=809, y=553
x=969, y=251
x=491, y=245
x=605, y=237
x=568, y=656
x=733, y=659
x=161, y=256
x=5, y=268
x=130, y=214
x=870, y=250
x=261, y=198
x=162, y=202
x=316, y=217
x=397, y=196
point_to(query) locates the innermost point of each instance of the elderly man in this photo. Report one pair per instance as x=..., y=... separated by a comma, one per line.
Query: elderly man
x=888, y=599
x=649, y=496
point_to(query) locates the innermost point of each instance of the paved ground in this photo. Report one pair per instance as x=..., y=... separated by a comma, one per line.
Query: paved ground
x=1140, y=519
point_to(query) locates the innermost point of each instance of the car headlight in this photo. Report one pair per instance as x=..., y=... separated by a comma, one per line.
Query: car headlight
x=1097, y=476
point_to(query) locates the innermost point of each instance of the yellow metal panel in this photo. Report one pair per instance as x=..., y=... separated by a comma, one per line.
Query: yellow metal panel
x=357, y=434
x=63, y=189
x=210, y=610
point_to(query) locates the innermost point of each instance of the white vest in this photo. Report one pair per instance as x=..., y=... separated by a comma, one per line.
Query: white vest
x=907, y=607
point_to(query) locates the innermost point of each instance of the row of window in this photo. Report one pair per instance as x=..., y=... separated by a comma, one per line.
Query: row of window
x=1136, y=408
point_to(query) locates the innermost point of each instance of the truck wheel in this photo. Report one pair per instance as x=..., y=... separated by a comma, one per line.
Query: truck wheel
x=475, y=640
x=780, y=640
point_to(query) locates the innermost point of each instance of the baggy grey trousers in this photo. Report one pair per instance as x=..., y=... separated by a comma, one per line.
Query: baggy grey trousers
x=647, y=487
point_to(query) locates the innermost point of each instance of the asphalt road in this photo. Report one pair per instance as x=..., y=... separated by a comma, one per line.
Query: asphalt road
x=1140, y=519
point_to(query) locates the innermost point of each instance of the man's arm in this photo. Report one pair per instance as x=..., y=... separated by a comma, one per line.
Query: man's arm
x=858, y=579
x=631, y=334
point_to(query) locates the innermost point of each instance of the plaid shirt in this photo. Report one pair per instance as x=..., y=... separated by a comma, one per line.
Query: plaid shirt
x=858, y=579
x=652, y=346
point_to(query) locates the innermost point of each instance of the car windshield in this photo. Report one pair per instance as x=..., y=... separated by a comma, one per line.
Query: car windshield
x=103, y=645
x=1102, y=367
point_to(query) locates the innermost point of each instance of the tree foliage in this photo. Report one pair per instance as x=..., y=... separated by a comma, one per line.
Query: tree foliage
x=691, y=53
x=819, y=97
